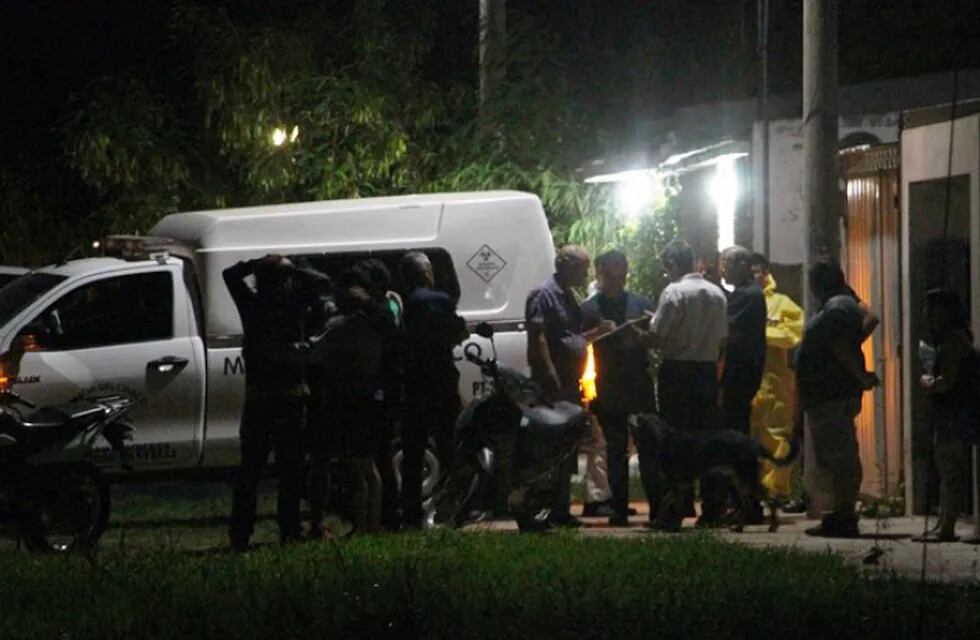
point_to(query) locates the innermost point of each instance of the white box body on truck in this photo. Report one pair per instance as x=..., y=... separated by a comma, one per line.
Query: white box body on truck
x=9, y=274
x=161, y=326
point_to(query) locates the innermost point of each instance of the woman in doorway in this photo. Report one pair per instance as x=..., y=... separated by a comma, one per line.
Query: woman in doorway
x=952, y=384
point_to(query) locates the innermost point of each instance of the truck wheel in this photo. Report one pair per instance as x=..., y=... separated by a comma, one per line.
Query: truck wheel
x=68, y=512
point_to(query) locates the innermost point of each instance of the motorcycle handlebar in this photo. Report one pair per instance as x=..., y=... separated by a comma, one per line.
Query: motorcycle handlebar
x=473, y=354
x=492, y=369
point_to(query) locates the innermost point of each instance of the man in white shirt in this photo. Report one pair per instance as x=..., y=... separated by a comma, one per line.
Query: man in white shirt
x=689, y=328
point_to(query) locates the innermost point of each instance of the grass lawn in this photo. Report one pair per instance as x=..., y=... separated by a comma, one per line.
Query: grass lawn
x=179, y=515
x=194, y=516
x=455, y=585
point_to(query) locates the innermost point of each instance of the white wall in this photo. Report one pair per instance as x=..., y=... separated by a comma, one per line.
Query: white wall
x=787, y=239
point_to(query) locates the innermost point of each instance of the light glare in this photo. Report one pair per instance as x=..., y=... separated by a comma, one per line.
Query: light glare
x=637, y=192
x=724, y=193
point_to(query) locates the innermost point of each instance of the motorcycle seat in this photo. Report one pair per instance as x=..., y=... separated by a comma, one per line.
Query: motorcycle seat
x=548, y=431
x=557, y=415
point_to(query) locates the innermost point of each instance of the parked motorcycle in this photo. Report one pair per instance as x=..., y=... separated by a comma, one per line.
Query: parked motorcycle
x=51, y=493
x=511, y=437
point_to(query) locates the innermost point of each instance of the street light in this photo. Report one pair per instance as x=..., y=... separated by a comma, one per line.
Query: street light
x=635, y=190
x=724, y=193
x=637, y=193
x=280, y=137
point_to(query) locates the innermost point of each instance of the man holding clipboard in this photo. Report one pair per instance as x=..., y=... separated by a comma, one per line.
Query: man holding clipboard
x=622, y=378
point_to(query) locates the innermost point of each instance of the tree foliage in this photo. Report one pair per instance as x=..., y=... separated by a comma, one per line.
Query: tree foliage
x=259, y=103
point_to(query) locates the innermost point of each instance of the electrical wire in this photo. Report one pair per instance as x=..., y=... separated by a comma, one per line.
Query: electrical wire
x=920, y=632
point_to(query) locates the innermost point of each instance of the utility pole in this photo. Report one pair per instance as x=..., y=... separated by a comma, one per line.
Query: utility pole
x=762, y=11
x=821, y=197
x=493, y=46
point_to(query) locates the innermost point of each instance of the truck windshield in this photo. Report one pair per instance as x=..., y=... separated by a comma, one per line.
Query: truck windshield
x=22, y=292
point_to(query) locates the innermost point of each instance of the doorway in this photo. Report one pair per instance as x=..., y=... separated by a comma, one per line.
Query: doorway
x=941, y=247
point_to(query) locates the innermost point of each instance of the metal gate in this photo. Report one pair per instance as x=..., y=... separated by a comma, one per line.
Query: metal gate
x=872, y=261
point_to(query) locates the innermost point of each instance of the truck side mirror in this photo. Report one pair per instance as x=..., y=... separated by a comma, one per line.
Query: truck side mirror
x=484, y=330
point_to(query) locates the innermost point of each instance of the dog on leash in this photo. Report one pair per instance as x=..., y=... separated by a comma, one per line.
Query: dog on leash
x=682, y=457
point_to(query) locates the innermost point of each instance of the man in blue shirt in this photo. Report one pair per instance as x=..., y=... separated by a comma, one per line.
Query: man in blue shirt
x=556, y=347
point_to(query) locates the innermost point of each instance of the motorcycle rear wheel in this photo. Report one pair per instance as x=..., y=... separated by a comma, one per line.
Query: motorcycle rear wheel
x=69, y=512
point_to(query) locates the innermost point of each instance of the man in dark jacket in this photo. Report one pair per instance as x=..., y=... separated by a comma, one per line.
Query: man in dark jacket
x=745, y=350
x=386, y=319
x=431, y=383
x=831, y=379
x=273, y=316
x=622, y=376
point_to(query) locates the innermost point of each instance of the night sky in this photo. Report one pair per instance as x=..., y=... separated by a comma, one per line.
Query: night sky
x=54, y=48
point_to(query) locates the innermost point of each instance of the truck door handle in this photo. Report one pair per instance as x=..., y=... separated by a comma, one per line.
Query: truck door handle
x=168, y=364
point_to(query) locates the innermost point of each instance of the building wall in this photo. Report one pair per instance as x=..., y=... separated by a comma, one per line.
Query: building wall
x=787, y=229
x=879, y=442
x=956, y=206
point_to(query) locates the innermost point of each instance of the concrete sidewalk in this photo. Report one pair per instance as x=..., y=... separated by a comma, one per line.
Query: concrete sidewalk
x=889, y=539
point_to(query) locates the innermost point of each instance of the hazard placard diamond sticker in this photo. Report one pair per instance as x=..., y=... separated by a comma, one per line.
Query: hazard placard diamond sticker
x=486, y=263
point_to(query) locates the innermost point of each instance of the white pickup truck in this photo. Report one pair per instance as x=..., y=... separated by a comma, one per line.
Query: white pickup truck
x=158, y=324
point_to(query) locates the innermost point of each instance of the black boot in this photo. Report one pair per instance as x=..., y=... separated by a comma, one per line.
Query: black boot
x=836, y=526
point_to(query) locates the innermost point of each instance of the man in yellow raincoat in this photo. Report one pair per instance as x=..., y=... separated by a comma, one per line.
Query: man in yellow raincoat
x=772, y=408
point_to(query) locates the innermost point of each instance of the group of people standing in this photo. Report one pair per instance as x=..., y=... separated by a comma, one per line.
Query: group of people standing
x=333, y=367
x=724, y=362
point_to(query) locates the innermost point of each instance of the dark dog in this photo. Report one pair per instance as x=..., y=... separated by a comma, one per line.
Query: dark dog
x=682, y=457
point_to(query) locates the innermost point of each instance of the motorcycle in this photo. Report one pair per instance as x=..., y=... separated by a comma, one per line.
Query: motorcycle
x=511, y=437
x=51, y=493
